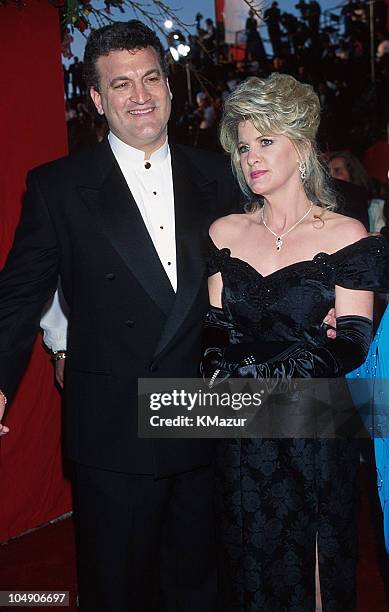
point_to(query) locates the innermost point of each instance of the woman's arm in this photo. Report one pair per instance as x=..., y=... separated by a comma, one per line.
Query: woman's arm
x=215, y=286
x=325, y=359
x=328, y=358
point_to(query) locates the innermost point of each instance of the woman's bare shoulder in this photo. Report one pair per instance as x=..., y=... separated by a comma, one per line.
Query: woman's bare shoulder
x=226, y=230
x=343, y=230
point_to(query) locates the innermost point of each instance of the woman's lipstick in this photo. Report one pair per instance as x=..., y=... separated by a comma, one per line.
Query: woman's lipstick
x=257, y=173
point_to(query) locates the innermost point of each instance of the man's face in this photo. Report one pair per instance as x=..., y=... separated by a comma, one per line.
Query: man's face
x=135, y=97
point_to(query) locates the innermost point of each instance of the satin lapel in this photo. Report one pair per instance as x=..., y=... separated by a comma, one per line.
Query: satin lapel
x=193, y=198
x=122, y=223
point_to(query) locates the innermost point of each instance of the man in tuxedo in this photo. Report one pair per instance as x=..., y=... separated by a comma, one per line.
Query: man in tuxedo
x=124, y=225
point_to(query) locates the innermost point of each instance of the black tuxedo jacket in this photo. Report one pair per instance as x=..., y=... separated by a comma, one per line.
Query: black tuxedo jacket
x=80, y=220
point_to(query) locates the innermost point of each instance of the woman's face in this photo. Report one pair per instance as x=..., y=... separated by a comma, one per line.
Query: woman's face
x=268, y=162
x=338, y=169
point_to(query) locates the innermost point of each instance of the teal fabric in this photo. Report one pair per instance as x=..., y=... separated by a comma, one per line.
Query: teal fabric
x=369, y=385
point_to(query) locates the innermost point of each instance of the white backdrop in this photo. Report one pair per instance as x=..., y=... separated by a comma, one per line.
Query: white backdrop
x=235, y=15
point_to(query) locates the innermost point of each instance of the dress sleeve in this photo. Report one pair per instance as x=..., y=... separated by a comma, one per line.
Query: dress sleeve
x=364, y=264
x=215, y=257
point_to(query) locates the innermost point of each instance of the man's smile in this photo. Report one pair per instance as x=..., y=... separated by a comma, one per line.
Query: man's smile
x=143, y=111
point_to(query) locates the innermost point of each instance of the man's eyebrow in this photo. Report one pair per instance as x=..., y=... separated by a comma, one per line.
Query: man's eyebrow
x=119, y=78
x=127, y=78
x=153, y=71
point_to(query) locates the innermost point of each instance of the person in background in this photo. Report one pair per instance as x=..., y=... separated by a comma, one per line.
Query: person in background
x=255, y=51
x=345, y=166
x=206, y=127
x=272, y=16
x=314, y=12
x=66, y=79
x=379, y=196
x=76, y=72
x=369, y=386
x=351, y=183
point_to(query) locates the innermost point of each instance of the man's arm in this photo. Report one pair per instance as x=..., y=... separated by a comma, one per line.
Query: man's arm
x=54, y=324
x=27, y=281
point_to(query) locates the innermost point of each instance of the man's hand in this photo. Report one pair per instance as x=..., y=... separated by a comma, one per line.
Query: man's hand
x=330, y=319
x=3, y=428
x=59, y=367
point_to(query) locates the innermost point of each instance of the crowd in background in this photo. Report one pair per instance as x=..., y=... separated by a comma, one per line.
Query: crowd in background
x=332, y=52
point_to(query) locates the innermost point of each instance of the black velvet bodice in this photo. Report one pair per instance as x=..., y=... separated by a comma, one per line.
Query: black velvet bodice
x=289, y=305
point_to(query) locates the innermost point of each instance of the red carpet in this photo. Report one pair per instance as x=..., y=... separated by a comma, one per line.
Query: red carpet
x=45, y=560
x=371, y=595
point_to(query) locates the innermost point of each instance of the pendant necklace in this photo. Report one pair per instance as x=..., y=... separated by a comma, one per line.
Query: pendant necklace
x=279, y=237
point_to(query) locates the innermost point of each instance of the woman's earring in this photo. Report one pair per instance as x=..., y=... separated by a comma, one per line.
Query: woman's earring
x=303, y=170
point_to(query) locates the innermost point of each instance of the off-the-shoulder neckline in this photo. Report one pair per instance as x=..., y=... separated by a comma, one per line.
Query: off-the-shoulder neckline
x=336, y=254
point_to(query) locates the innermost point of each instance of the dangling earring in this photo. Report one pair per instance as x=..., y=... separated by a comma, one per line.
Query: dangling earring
x=303, y=170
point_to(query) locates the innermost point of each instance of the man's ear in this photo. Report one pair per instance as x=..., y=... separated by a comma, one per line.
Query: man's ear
x=94, y=94
x=170, y=91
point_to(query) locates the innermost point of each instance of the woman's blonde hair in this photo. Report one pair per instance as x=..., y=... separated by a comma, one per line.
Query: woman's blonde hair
x=278, y=105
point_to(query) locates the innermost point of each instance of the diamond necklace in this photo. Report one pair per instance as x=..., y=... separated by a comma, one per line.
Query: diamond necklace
x=279, y=237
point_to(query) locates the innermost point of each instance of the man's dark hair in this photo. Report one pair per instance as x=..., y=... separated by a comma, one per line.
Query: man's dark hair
x=118, y=36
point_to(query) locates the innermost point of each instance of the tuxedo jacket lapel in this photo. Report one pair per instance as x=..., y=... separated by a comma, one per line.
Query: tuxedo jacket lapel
x=193, y=197
x=113, y=204
x=108, y=198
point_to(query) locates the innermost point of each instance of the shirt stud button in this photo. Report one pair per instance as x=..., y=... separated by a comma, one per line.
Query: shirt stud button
x=147, y=165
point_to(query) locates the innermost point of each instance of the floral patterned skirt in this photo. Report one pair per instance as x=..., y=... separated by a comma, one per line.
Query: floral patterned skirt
x=276, y=498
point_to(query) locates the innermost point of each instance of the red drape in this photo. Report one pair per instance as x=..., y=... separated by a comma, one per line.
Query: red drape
x=219, y=10
x=33, y=489
x=376, y=160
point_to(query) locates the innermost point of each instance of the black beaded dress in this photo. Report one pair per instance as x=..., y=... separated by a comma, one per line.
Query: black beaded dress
x=281, y=496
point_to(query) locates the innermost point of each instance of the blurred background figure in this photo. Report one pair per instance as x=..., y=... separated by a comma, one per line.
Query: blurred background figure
x=383, y=44
x=272, y=16
x=314, y=12
x=205, y=114
x=255, y=51
x=378, y=205
x=347, y=167
x=207, y=38
x=77, y=76
x=66, y=79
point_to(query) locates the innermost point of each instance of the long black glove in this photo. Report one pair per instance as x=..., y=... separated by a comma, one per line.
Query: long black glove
x=331, y=358
x=215, y=341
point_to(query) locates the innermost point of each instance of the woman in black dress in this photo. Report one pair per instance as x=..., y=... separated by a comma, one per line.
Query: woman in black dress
x=289, y=504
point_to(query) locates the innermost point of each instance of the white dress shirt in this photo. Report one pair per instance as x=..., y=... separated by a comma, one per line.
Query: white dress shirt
x=151, y=184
